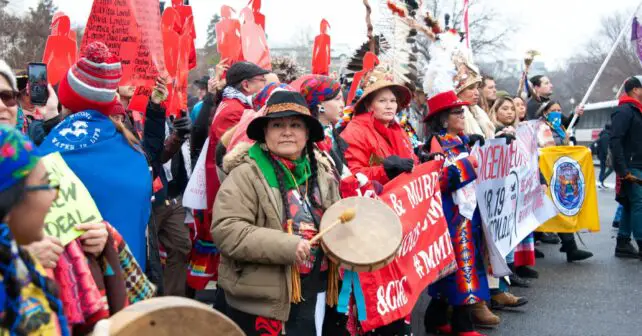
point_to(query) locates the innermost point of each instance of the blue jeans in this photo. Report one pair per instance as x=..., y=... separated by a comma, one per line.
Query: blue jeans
x=631, y=222
x=604, y=170
x=618, y=214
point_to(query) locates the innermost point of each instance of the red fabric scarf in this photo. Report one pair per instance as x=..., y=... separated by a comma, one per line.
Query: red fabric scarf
x=396, y=138
x=628, y=99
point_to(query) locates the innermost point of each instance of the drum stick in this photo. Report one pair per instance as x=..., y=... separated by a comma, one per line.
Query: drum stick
x=346, y=216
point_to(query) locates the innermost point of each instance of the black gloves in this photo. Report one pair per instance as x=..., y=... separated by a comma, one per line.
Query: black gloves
x=473, y=138
x=394, y=166
x=182, y=127
x=509, y=137
x=425, y=157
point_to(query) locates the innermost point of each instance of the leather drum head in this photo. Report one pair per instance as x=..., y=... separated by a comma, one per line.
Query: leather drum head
x=372, y=237
x=171, y=316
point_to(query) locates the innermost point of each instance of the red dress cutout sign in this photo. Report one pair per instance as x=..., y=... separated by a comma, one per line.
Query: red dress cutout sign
x=177, y=101
x=259, y=18
x=60, y=51
x=370, y=61
x=185, y=13
x=228, y=36
x=321, y=51
x=131, y=29
x=170, y=39
x=254, y=43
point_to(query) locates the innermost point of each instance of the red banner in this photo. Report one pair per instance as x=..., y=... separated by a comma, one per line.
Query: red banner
x=131, y=29
x=426, y=254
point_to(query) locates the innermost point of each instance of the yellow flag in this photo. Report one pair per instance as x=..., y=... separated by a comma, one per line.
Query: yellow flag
x=571, y=186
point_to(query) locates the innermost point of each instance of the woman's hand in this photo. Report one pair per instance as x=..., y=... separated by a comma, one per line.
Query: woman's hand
x=221, y=68
x=95, y=238
x=51, y=108
x=302, y=251
x=160, y=92
x=47, y=251
x=579, y=110
x=212, y=85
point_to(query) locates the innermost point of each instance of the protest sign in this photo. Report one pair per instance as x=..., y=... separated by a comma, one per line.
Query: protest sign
x=73, y=205
x=511, y=200
x=571, y=185
x=60, y=50
x=131, y=30
x=426, y=253
x=321, y=51
x=194, y=196
x=253, y=41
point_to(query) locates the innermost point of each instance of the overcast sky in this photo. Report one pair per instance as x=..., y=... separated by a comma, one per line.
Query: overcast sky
x=554, y=27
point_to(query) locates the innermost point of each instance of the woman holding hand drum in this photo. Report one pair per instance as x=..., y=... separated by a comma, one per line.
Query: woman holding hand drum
x=268, y=209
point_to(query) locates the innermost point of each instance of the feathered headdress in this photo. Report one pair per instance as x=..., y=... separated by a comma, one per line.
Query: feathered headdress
x=449, y=67
x=286, y=69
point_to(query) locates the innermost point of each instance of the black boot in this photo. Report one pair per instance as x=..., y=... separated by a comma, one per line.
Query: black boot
x=516, y=280
x=436, y=318
x=549, y=238
x=526, y=272
x=539, y=254
x=572, y=252
x=462, y=319
x=624, y=248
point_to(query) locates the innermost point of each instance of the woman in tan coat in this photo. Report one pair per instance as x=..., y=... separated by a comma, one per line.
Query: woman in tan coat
x=268, y=208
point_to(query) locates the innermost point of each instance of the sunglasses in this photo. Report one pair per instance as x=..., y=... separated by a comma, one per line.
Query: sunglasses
x=9, y=98
x=51, y=186
x=457, y=111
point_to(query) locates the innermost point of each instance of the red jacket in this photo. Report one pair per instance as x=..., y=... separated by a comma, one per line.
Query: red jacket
x=370, y=142
x=228, y=114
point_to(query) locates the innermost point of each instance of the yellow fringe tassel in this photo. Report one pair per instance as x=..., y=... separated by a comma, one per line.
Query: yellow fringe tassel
x=296, y=277
x=332, y=295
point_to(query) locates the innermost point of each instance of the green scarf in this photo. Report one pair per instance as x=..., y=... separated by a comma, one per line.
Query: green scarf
x=301, y=171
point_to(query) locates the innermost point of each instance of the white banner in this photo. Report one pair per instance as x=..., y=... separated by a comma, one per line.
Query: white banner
x=511, y=201
x=195, y=196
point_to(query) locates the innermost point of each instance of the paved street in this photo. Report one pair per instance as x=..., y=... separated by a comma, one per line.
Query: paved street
x=597, y=297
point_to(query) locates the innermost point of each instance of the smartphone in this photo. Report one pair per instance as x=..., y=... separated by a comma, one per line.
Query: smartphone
x=37, y=82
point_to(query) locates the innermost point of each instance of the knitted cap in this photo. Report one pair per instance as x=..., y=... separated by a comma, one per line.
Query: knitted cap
x=5, y=70
x=18, y=156
x=92, y=82
x=318, y=89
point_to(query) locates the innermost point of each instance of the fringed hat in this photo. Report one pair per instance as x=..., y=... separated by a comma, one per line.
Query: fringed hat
x=284, y=104
x=467, y=76
x=378, y=81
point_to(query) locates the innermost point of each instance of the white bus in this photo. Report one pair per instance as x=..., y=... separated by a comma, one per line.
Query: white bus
x=592, y=122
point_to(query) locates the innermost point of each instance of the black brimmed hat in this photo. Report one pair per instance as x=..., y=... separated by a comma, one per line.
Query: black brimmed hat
x=284, y=104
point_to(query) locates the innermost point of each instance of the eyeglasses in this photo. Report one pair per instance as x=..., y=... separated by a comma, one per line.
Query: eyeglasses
x=52, y=186
x=9, y=98
x=260, y=79
x=457, y=111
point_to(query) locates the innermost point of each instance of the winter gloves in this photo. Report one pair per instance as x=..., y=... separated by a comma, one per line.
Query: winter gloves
x=473, y=138
x=394, y=166
x=182, y=127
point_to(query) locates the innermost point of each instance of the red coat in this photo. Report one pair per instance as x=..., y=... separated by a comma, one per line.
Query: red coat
x=370, y=142
x=228, y=114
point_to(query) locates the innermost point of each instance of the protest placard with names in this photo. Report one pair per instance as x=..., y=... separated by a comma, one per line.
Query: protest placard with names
x=510, y=198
